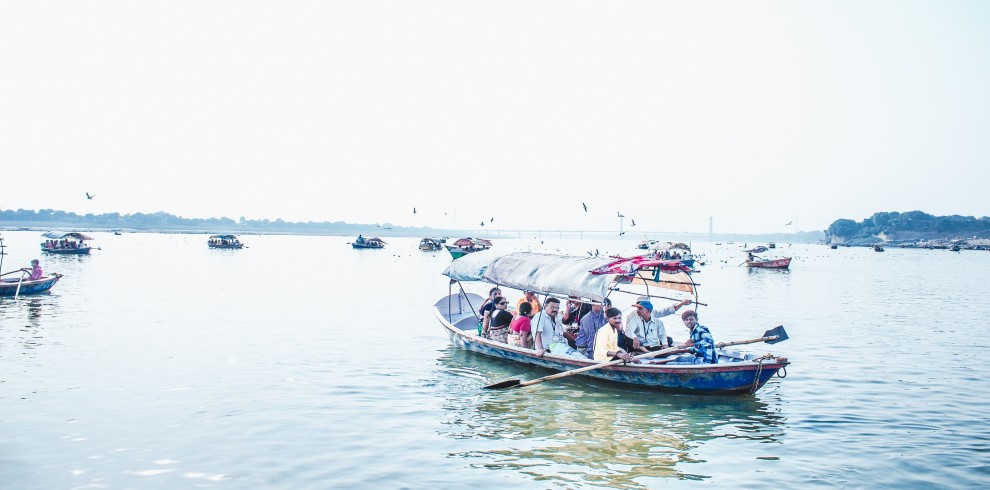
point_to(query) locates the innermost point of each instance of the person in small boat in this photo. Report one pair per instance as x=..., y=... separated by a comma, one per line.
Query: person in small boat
x=588, y=326
x=529, y=297
x=489, y=305
x=644, y=329
x=520, y=328
x=360, y=239
x=35, y=270
x=496, y=323
x=700, y=342
x=607, y=339
x=548, y=334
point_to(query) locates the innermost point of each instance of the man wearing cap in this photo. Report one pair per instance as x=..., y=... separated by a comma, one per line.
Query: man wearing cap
x=644, y=329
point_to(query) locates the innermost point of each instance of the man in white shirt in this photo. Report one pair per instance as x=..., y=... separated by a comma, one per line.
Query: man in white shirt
x=645, y=330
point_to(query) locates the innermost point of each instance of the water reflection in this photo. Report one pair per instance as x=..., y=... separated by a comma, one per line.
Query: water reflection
x=589, y=432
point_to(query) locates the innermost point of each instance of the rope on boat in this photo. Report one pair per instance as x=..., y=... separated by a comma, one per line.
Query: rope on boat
x=759, y=372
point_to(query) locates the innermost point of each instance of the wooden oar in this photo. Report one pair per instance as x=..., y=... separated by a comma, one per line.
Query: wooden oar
x=772, y=336
x=18, y=289
x=511, y=383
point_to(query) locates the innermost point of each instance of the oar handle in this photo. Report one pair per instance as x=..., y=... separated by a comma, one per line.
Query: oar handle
x=750, y=341
x=592, y=367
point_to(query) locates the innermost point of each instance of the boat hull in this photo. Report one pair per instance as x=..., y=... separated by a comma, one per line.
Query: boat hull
x=362, y=245
x=8, y=287
x=237, y=246
x=66, y=251
x=724, y=378
x=783, y=263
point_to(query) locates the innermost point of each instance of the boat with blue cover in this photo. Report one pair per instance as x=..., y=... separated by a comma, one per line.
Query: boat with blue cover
x=592, y=280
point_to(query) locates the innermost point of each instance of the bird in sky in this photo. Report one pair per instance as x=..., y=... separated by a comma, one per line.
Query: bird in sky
x=482, y=223
x=585, y=207
x=491, y=220
x=619, y=214
x=633, y=222
x=89, y=196
x=789, y=223
x=414, y=210
x=622, y=233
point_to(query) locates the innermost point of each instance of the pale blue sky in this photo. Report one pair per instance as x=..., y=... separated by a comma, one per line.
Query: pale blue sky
x=754, y=113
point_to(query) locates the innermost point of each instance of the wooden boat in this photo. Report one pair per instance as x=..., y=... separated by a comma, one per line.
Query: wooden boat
x=224, y=241
x=466, y=246
x=646, y=244
x=755, y=261
x=71, y=243
x=17, y=282
x=878, y=248
x=673, y=251
x=592, y=279
x=771, y=245
x=431, y=244
x=833, y=246
x=373, y=242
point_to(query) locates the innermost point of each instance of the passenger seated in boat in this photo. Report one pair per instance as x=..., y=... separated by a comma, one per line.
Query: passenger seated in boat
x=496, y=324
x=529, y=297
x=35, y=271
x=489, y=305
x=520, y=328
x=700, y=342
x=588, y=326
x=360, y=239
x=607, y=339
x=644, y=329
x=548, y=334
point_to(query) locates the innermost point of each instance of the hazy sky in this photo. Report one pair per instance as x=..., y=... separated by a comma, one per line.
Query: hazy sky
x=755, y=113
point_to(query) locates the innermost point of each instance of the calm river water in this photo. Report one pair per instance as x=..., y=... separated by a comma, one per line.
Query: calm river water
x=300, y=363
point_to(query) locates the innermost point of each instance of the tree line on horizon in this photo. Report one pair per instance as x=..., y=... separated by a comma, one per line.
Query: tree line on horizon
x=890, y=223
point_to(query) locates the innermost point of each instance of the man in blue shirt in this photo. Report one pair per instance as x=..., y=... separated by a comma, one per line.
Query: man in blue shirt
x=588, y=326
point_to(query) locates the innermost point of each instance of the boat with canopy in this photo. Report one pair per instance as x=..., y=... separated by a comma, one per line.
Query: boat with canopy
x=224, y=241
x=72, y=243
x=464, y=246
x=592, y=280
x=431, y=244
x=373, y=242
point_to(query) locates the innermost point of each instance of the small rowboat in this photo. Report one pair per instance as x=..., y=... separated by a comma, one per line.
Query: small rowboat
x=431, y=244
x=782, y=263
x=592, y=279
x=72, y=243
x=11, y=287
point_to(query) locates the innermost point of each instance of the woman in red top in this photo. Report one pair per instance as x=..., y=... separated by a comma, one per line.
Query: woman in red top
x=520, y=327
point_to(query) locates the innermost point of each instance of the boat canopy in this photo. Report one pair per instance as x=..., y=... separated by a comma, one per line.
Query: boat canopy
x=225, y=237
x=58, y=235
x=670, y=246
x=757, y=250
x=477, y=242
x=589, y=278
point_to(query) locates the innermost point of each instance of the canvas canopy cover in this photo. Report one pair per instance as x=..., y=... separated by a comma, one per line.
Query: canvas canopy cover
x=467, y=242
x=589, y=278
x=58, y=235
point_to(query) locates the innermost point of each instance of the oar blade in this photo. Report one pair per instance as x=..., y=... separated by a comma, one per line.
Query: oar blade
x=509, y=383
x=778, y=332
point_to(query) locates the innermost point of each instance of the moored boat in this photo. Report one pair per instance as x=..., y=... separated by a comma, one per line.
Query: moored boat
x=373, y=242
x=468, y=245
x=878, y=248
x=673, y=251
x=72, y=243
x=592, y=279
x=224, y=241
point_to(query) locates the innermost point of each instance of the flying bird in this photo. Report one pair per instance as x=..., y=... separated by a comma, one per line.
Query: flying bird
x=633, y=222
x=89, y=196
x=622, y=233
x=585, y=207
x=491, y=220
x=414, y=210
x=619, y=214
x=482, y=223
x=789, y=223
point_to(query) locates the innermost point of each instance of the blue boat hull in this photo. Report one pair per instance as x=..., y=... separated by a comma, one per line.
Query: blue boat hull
x=746, y=376
x=361, y=245
x=8, y=287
